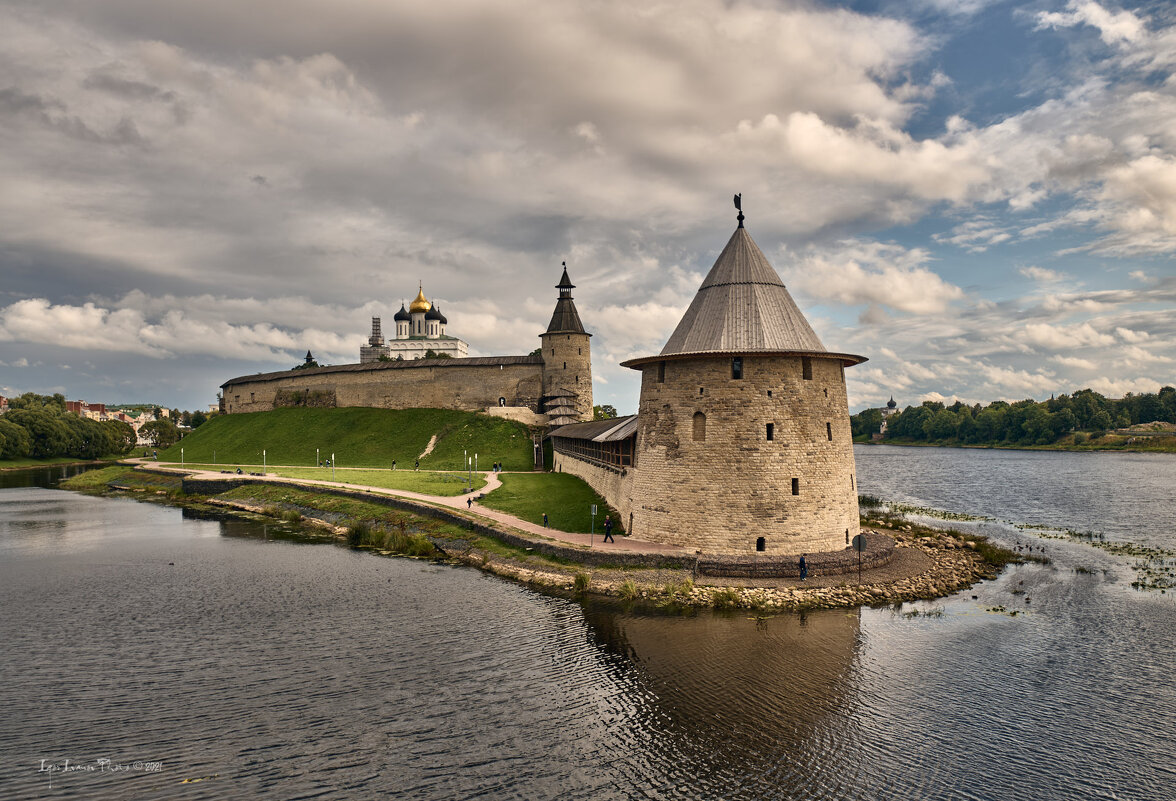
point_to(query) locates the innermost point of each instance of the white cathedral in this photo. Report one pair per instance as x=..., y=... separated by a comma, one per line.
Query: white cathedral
x=419, y=329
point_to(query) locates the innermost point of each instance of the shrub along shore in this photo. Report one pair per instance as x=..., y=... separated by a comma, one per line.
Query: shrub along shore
x=929, y=563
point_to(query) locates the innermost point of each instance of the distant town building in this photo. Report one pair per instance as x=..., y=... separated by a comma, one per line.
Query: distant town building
x=93, y=411
x=419, y=329
x=3, y=404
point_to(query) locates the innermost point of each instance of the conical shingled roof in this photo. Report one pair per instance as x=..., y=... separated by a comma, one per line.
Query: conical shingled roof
x=742, y=307
x=565, y=319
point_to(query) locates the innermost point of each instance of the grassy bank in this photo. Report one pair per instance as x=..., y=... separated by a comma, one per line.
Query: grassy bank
x=123, y=477
x=566, y=500
x=54, y=461
x=359, y=437
x=423, y=481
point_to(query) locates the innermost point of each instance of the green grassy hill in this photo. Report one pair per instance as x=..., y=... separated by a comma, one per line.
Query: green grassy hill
x=566, y=499
x=359, y=437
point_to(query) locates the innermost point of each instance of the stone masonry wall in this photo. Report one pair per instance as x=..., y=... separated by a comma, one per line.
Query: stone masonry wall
x=721, y=493
x=610, y=484
x=470, y=388
x=567, y=364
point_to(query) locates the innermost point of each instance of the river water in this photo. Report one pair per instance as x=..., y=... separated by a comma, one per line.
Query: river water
x=211, y=659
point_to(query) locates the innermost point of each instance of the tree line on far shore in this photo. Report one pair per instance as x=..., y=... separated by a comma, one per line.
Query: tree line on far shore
x=1026, y=422
x=40, y=427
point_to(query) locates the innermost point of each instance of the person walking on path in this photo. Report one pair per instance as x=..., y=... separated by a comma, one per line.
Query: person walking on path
x=608, y=537
x=803, y=569
x=393, y=464
x=469, y=503
x=545, y=520
x=417, y=465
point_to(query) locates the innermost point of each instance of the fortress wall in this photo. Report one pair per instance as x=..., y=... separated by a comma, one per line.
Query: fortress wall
x=609, y=484
x=567, y=360
x=468, y=388
x=721, y=493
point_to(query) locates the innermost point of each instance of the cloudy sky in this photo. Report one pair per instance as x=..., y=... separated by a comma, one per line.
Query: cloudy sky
x=980, y=196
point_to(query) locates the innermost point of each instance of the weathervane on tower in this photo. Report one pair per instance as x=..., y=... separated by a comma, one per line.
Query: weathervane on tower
x=739, y=206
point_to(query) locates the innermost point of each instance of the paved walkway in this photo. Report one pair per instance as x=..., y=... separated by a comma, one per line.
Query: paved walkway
x=596, y=542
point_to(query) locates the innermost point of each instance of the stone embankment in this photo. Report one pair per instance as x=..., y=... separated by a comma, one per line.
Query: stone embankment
x=924, y=568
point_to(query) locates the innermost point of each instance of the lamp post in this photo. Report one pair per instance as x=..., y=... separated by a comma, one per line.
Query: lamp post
x=332, y=466
x=181, y=457
x=263, y=461
x=317, y=463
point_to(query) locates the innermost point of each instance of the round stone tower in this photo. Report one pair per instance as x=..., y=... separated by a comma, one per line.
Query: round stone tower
x=743, y=440
x=567, y=361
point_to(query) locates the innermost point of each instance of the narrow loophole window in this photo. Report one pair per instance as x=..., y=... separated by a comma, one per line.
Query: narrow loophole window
x=700, y=390
x=851, y=481
x=737, y=367
x=829, y=431
x=769, y=393
x=806, y=368
x=699, y=427
x=761, y=544
x=796, y=486
x=661, y=372
x=771, y=431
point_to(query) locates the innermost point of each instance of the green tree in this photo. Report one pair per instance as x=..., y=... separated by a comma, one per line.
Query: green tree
x=604, y=411
x=908, y=424
x=48, y=434
x=161, y=433
x=991, y=425
x=941, y=425
x=122, y=436
x=31, y=400
x=1038, y=425
x=15, y=442
x=88, y=439
x=199, y=418
x=866, y=423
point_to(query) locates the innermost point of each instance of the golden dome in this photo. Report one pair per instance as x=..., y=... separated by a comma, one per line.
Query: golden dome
x=421, y=304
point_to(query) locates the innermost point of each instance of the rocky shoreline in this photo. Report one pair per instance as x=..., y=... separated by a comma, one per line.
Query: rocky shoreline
x=928, y=564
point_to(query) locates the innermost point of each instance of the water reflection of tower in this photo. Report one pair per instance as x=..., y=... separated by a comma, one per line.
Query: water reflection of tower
x=763, y=700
